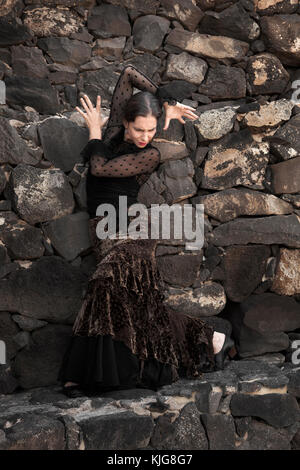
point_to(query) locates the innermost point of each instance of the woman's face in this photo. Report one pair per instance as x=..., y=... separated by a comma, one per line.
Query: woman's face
x=140, y=131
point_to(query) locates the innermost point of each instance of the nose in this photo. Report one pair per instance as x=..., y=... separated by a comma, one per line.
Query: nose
x=145, y=137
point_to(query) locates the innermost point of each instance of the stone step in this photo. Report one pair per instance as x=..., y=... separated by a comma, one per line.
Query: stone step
x=249, y=405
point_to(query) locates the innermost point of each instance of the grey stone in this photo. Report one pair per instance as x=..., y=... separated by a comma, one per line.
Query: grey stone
x=38, y=364
x=184, y=66
x=226, y=379
x=8, y=383
x=275, y=313
x=32, y=91
x=111, y=428
x=29, y=432
x=21, y=339
x=185, y=433
x=244, y=268
x=99, y=82
x=264, y=437
x=29, y=62
x=224, y=406
x=224, y=82
x=191, y=140
x=276, y=409
x=289, y=132
x=180, y=270
x=207, y=45
x=73, y=434
x=111, y=48
x=46, y=21
x=294, y=383
x=266, y=74
x=152, y=191
x=268, y=116
x=272, y=359
x=280, y=38
x=69, y=235
x=13, y=32
x=202, y=397
x=187, y=12
x=108, y=21
x=233, y=22
x=214, y=124
x=39, y=195
x=149, y=31
x=281, y=229
x=21, y=240
x=236, y=160
x=27, y=323
x=147, y=6
x=286, y=280
x=63, y=151
x=13, y=148
x=231, y=203
x=204, y=301
x=220, y=431
x=65, y=51
x=279, y=6
x=177, y=178
x=285, y=176
x=171, y=151
x=179, y=89
x=57, y=294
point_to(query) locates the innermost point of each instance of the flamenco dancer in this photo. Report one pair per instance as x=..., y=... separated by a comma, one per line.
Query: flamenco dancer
x=124, y=336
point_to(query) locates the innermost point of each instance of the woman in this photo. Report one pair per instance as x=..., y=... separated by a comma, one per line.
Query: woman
x=124, y=336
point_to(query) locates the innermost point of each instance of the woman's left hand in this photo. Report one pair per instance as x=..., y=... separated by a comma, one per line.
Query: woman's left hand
x=178, y=112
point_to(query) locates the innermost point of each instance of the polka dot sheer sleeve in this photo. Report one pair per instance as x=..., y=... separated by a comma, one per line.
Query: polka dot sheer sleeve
x=129, y=164
x=97, y=151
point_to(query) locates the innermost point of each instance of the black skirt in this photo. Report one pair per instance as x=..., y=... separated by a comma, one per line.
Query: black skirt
x=100, y=363
x=124, y=336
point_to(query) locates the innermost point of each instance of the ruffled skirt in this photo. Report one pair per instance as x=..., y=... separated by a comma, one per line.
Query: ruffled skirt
x=124, y=336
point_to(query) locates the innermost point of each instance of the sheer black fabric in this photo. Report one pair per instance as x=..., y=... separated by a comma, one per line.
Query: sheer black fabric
x=119, y=167
x=115, y=168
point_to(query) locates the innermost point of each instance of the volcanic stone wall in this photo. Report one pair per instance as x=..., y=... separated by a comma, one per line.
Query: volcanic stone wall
x=237, y=63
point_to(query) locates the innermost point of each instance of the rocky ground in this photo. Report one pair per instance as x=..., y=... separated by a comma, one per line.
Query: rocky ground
x=251, y=405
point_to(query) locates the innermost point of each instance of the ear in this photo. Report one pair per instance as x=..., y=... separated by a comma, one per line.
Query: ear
x=125, y=123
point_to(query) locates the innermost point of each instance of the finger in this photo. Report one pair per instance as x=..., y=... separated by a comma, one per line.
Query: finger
x=79, y=110
x=191, y=115
x=167, y=122
x=89, y=103
x=190, y=110
x=84, y=105
x=98, y=105
x=181, y=120
x=190, y=107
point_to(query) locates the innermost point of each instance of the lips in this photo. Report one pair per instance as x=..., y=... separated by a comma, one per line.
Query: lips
x=142, y=143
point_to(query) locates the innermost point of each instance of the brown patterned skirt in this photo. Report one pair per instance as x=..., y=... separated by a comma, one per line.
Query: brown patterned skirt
x=124, y=335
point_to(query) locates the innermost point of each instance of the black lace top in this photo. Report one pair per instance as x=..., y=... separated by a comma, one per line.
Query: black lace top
x=117, y=167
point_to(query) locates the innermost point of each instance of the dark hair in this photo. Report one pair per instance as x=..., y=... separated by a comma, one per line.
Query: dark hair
x=142, y=103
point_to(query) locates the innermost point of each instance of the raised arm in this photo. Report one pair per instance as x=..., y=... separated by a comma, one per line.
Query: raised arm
x=130, y=78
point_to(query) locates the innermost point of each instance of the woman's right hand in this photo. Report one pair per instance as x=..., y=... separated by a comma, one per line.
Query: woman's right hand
x=92, y=117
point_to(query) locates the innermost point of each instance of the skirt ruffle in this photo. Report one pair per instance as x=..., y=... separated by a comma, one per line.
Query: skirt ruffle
x=124, y=335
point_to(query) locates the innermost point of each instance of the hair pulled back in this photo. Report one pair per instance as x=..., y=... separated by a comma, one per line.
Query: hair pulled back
x=142, y=103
